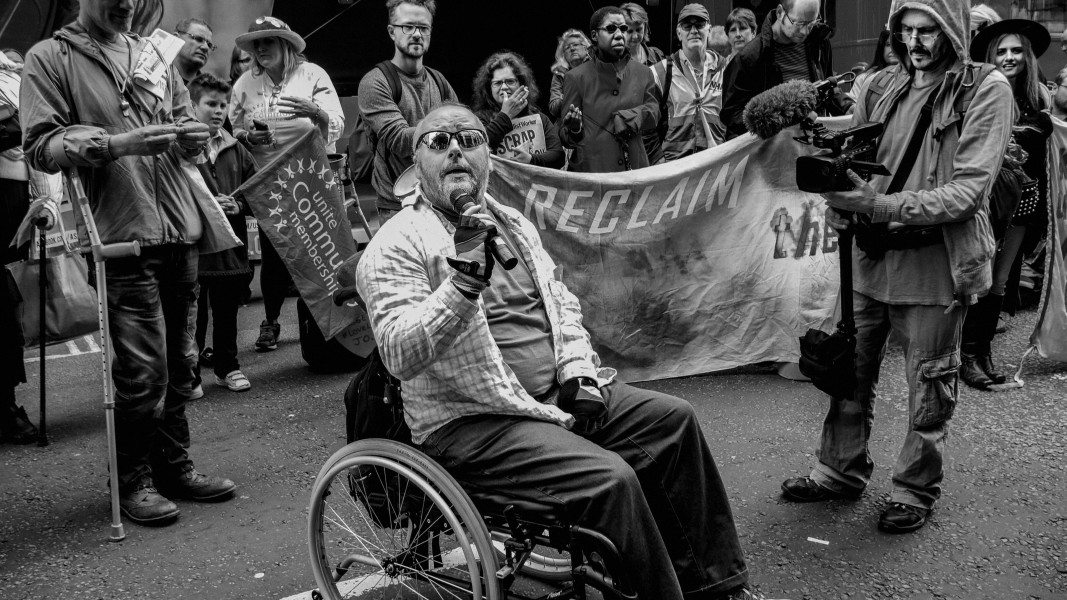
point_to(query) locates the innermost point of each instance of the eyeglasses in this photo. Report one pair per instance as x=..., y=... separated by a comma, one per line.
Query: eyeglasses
x=200, y=40
x=409, y=29
x=612, y=28
x=496, y=83
x=801, y=25
x=468, y=139
x=690, y=25
x=926, y=35
x=575, y=46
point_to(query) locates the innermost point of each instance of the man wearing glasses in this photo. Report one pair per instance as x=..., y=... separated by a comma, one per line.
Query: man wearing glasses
x=394, y=95
x=793, y=44
x=924, y=252
x=198, y=45
x=503, y=388
x=695, y=94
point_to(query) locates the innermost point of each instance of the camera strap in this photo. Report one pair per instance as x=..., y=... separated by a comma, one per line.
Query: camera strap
x=911, y=153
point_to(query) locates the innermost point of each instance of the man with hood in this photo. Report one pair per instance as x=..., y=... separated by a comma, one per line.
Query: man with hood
x=102, y=100
x=610, y=102
x=925, y=248
x=793, y=44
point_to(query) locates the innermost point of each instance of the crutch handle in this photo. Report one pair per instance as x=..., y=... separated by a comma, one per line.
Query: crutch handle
x=119, y=250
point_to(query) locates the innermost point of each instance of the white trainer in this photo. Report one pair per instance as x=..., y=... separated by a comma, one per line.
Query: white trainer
x=235, y=381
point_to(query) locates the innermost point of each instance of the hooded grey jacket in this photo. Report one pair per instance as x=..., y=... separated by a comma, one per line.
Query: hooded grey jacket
x=968, y=155
x=69, y=94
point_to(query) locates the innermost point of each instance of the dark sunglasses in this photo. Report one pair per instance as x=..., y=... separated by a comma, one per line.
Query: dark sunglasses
x=612, y=28
x=440, y=140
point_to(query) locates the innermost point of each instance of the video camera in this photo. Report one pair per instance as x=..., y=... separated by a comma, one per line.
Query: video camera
x=853, y=149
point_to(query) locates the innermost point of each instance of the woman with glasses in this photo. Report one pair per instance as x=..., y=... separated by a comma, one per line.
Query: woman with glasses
x=505, y=99
x=610, y=102
x=572, y=50
x=1013, y=47
x=278, y=100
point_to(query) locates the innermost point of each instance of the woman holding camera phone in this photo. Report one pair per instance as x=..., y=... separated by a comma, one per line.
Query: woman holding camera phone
x=1013, y=47
x=274, y=103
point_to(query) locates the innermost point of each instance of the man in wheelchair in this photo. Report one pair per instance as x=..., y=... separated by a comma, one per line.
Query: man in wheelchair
x=503, y=389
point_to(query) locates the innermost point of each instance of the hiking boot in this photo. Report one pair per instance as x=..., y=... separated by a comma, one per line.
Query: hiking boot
x=146, y=506
x=972, y=374
x=268, y=336
x=805, y=489
x=15, y=426
x=235, y=381
x=986, y=364
x=902, y=518
x=193, y=485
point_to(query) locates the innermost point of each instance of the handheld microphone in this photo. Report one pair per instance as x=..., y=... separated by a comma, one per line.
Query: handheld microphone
x=461, y=201
x=782, y=106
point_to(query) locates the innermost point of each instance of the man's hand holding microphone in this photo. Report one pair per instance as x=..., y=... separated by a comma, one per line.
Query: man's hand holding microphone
x=478, y=247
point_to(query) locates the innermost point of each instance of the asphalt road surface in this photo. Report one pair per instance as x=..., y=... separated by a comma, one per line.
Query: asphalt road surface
x=999, y=532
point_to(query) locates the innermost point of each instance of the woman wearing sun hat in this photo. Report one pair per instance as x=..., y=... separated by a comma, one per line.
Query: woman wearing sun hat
x=290, y=96
x=1013, y=47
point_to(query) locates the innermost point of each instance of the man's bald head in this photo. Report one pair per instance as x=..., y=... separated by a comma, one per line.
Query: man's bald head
x=445, y=112
x=445, y=169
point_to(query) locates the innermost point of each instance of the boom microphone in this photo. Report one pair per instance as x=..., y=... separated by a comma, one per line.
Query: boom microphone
x=461, y=201
x=782, y=106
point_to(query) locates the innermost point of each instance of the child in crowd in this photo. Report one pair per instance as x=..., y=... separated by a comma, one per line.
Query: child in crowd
x=224, y=276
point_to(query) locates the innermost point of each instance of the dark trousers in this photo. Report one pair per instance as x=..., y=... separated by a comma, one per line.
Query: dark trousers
x=224, y=293
x=14, y=202
x=274, y=280
x=646, y=480
x=152, y=308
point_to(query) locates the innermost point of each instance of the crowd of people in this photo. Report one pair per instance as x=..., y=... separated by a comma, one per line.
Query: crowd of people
x=934, y=261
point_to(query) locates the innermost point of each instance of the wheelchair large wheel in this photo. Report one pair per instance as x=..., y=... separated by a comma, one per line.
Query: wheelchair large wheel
x=386, y=521
x=546, y=564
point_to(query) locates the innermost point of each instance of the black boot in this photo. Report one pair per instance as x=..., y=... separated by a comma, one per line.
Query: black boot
x=987, y=366
x=990, y=315
x=15, y=426
x=972, y=374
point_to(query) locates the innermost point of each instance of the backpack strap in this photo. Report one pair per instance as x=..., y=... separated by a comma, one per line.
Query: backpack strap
x=964, y=97
x=442, y=84
x=392, y=77
x=876, y=88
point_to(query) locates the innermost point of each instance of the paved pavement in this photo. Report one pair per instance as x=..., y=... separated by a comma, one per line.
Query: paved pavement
x=1000, y=531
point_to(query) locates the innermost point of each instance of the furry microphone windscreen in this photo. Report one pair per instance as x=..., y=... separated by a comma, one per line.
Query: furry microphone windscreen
x=782, y=106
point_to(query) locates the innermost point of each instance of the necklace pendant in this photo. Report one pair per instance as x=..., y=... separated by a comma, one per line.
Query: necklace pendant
x=125, y=106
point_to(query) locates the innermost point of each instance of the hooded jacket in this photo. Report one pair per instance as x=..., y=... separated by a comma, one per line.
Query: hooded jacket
x=969, y=149
x=233, y=165
x=71, y=110
x=753, y=70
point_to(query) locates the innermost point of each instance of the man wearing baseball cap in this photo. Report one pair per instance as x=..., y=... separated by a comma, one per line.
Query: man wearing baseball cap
x=690, y=83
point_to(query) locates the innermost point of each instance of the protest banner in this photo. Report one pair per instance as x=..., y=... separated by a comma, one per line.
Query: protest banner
x=702, y=264
x=527, y=133
x=1050, y=334
x=298, y=203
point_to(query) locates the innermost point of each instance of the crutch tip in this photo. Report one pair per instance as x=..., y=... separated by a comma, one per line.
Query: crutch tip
x=117, y=533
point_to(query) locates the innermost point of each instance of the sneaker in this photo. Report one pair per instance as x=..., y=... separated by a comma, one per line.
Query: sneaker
x=146, y=506
x=197, y=393
x=193, y=485
x=805, y=489
x=268, y=336
x=235, y=381
x=15, y=426
x=205, y=356
x=902, y=518
x=743, y=593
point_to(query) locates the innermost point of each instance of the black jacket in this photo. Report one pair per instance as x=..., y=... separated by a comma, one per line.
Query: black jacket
x=753, y=70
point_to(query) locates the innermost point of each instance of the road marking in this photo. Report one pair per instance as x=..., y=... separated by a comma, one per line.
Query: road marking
x=72, y=350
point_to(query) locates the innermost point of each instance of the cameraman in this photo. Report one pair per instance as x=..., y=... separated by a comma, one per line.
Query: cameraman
x=924, y=255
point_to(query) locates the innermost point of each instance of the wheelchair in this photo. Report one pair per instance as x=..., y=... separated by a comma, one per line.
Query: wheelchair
x=387, y=521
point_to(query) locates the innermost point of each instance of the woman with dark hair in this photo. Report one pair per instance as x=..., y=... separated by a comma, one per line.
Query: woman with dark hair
x=572, y=50
x=883, y=57
x=505, y=93
x=240, y=61
x=274, y=103
x=1013, y=47
x=637, y=38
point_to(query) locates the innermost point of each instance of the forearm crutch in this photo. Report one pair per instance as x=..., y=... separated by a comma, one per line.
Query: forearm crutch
x=100, y=254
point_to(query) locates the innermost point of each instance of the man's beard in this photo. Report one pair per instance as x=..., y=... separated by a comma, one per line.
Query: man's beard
x=421, y=51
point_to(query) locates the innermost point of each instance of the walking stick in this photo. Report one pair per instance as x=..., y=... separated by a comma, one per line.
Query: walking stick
x=42, y=434
x=100, y=255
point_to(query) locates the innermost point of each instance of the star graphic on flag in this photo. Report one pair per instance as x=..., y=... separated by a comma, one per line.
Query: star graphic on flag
x=289, y=171
x=276, y=197
x=281, y=224
x=280, y=182
x=311, y=167
x=274, y=212
x=300, y=165
x=323, y=172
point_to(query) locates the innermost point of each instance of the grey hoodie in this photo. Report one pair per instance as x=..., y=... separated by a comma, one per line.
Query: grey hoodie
x=968, y=157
